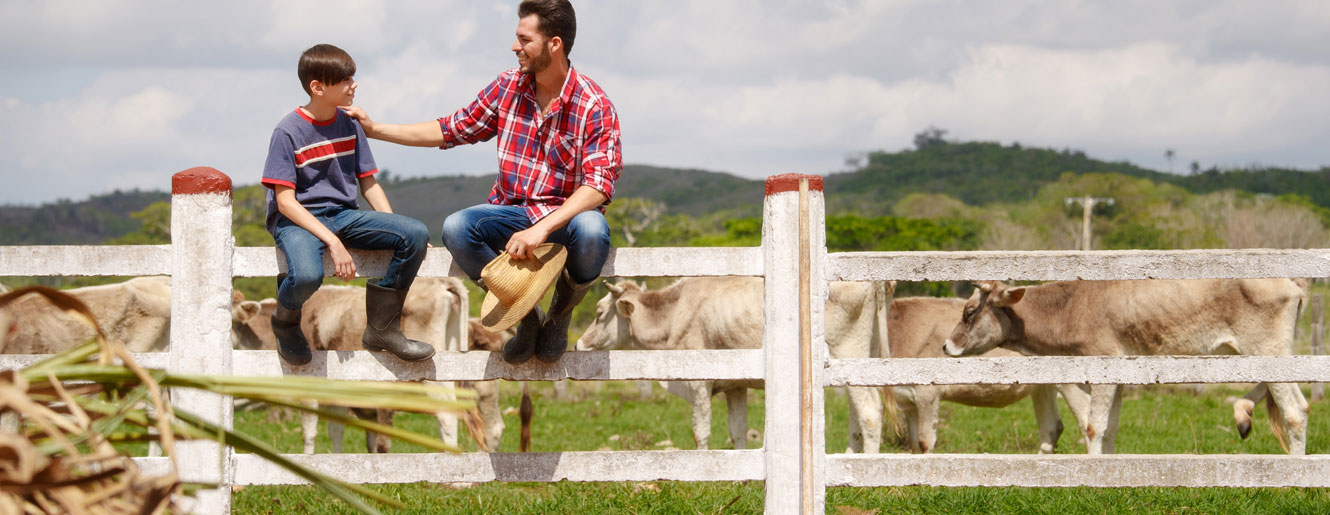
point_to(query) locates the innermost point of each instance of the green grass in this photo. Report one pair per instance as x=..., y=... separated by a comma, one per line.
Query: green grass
x=1155, y=420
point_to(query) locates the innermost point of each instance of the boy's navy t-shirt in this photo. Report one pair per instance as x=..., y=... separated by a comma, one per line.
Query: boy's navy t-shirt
x=320, y=160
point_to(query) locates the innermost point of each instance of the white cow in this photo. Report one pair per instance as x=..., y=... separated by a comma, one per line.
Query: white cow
x=1158, y=317
x=726, y=313
x=917, y=327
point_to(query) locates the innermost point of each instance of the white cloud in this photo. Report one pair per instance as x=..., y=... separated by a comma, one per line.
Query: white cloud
x=101, y=95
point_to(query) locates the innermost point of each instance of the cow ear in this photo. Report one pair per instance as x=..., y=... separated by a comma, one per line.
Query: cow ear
x=1010, y=296
x=246, y=310
x=625, y=307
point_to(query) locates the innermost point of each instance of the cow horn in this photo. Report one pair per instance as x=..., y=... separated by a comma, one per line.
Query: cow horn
x=617, y=290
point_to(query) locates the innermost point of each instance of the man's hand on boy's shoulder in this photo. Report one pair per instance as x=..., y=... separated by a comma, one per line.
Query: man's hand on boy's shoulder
x=359, y=114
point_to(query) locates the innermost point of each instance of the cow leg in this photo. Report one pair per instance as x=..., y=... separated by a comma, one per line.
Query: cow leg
x=336, y=430
x=698, y=395
x=309, y=430
x=1292, y=415
x=927, y=400
x=904, y=397
x=1101, y=404
x=1111, y=430
x=487, y=403
x=736, y=407
x=447, y=421
x=1078, y=401
x=1045, y=399
x=375, y=442
x=865, y=419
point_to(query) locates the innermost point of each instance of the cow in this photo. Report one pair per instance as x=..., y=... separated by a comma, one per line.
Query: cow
x=1143, y=317
x=136, y=313
x=917, y=328
x=334, y=319
x=726, y=313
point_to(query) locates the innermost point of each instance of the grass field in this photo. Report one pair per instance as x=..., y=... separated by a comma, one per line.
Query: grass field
x=614, y=416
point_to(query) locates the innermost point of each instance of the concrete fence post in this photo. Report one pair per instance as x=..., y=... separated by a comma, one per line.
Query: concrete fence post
x=795, y=291
x=201, y=253
x=1317, y=310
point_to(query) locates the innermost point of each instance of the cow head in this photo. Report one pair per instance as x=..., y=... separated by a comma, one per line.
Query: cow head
x=610, y=329
x=480, y=338
x=251, y=324
x=985, y=323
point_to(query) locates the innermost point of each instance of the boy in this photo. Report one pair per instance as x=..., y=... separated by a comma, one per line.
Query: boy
x=317, y=158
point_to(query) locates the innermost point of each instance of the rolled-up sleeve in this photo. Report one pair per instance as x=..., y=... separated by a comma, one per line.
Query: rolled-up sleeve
x=476, y=122
x=601, y=159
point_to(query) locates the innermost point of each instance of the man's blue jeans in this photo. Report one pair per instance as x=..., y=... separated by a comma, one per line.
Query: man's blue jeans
x=407, y=237
x=476, y=235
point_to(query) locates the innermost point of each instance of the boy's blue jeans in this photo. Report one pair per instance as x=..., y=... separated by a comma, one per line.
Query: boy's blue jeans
x=476, y=235
x=368, y=230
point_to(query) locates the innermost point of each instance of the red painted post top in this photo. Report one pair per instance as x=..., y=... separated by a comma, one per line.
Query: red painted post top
x=200, y=180
x=790, y=182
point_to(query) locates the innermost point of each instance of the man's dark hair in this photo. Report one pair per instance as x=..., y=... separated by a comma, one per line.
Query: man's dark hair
x=324, y=63
x=556, y=19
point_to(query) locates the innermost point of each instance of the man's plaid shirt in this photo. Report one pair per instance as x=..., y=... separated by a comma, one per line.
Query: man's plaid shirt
x=542, y=161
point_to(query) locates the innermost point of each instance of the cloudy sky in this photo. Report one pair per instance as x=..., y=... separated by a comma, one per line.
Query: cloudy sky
x=99, y=95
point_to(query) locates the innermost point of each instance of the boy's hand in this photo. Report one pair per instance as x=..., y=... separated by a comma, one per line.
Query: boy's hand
x=343, y=266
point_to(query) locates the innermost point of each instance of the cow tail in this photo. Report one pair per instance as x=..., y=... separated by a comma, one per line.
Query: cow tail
x=891, y=413
x=1276, y=424
x=527, y=410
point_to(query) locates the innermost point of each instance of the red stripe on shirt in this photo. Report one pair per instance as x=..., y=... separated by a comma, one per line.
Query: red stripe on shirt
x=367, y=174
x=324, y=150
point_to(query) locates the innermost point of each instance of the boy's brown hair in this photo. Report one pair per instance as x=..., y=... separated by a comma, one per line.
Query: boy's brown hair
x=325, y=63
x=557, y=19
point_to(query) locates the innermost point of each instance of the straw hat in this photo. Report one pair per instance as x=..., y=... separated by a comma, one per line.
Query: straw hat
x=515, y=286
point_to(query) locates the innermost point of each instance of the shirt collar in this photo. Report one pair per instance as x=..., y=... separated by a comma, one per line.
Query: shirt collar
x=528, y=83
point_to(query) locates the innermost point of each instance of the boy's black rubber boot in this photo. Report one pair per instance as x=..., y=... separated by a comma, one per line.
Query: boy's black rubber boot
x=522, y=346
x=553, y=340
x=383, y=325
x=291, y=344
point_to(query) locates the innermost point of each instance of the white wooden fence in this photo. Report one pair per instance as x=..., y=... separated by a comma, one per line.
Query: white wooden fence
x=792, y=463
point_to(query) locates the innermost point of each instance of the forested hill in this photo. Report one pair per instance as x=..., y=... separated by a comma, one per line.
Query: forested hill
x=982, y=173
x=90, y=221
x=976, y=173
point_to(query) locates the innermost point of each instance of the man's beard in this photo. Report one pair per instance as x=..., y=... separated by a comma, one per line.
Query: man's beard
x=537, y=63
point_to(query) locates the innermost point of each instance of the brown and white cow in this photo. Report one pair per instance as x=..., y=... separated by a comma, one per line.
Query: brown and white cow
x=1155, y=317
x=917, y=327
x=726, y=313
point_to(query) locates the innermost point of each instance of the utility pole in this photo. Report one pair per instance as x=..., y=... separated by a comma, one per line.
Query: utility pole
x=1088, y=203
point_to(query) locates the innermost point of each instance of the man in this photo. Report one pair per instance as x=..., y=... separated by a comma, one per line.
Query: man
x=558, y=143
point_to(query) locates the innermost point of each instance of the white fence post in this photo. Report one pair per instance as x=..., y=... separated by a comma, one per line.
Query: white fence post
x=794, y=439
x=201, y=252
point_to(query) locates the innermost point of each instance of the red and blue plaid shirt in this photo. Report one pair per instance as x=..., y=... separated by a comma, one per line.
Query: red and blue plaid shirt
x=542, y=160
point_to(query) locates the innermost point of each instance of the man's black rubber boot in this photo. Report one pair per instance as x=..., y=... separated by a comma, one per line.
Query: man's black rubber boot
x=522, y=346
x=553, y=339
x=383, y=325
x=291, y=344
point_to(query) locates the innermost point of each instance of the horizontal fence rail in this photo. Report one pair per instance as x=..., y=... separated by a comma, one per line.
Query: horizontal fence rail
x=1111, y=471
x=1077, y=370
x=1077, y=265
x=843, y=470
x=139, y=260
